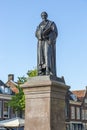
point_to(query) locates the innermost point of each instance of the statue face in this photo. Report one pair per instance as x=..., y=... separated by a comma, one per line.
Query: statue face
x=44, y=17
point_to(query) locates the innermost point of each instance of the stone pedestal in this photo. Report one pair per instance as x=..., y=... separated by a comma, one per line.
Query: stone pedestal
x=45, y=103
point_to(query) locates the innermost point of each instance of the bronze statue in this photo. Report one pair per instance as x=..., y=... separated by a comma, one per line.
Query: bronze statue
x=46, y=34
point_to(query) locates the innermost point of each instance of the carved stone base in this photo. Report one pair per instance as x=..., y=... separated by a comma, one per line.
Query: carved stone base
x=45, y=103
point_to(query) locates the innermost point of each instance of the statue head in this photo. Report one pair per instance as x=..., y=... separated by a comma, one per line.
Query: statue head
x=44, y=15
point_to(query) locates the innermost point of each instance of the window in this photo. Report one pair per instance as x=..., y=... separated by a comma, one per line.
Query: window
x=72, y=112
x=83, y=114
x=78, y=113
x=85, y=100
x=6, y=110
x=73, y=97
x=0, y=109
x=66, y=110
x=79, y=127
x=2, y=89
x=5, y=90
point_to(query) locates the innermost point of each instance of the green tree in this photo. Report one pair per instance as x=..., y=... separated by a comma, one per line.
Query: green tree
x=18, y=100
x=21, y=80
x=32, y=73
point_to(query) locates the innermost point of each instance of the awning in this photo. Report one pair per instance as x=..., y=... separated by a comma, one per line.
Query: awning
x=14, y=122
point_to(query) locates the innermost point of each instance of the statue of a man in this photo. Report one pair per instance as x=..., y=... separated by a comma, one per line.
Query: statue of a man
x=46, y=34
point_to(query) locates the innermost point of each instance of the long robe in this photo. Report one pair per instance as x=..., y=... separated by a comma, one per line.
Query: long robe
x=46, y=34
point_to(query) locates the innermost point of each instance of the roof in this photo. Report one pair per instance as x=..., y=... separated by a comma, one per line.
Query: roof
x=79, y=93
x=12, y=86
x=1, y=83
x=4, y=89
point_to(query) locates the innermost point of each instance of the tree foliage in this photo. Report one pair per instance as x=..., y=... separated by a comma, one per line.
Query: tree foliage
x=18, y=100
x=32, y=73
x=21, y=80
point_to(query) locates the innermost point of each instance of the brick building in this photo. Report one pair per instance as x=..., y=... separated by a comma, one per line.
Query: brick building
x=7, y=90
x=76, y=110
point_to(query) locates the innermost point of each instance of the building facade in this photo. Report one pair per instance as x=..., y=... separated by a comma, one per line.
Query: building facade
x=76, y=110
x=5, y=96
x=7, y=90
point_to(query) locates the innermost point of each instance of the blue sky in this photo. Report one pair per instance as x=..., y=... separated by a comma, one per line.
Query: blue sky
x=18, y=44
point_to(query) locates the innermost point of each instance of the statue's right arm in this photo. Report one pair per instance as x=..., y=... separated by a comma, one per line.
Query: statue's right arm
x=38, y=33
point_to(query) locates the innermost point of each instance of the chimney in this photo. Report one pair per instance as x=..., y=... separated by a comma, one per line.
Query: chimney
x=11, y=77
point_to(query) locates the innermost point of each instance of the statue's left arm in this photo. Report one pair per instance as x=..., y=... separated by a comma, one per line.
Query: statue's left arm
x=54, y=29
x=53, y=33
